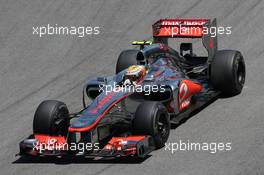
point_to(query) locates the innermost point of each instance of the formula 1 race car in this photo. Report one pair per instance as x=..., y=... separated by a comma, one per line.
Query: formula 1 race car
x=155, y=87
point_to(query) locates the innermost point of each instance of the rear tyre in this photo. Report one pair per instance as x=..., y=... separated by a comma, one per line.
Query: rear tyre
x=151, y=118
x=51, y=118
x=126, y=58
x=228, y=72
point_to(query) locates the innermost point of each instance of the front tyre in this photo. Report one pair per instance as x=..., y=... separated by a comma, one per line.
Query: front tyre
x=151, y=118
x=51, y=118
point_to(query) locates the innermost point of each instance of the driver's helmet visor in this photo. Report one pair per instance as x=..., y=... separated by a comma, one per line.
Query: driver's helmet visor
x=133, y=77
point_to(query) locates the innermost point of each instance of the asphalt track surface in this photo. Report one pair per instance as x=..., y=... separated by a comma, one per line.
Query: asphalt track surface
x=55, y=67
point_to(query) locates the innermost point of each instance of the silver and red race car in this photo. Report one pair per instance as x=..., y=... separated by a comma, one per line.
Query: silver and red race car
x=131, y=113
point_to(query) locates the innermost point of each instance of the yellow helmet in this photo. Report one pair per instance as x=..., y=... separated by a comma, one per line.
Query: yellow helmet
x=135, y=73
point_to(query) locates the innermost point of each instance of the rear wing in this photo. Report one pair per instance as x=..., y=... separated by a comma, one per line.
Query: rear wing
x=186, y=28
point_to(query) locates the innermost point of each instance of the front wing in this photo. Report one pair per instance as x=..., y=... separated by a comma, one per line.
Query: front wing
x=44, y=145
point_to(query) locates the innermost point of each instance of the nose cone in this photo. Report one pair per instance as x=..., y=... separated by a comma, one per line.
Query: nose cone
x=83, y=123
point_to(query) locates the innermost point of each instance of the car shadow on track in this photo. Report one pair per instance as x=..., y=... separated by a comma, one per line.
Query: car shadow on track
x=78, y=160
x=193, y=113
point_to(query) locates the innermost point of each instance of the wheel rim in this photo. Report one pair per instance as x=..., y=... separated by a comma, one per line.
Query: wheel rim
x=60, y=123
x=163, y=126
x=241, y=73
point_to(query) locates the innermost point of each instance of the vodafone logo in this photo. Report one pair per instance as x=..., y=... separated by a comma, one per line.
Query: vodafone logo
x=183, y=92
x=185, y=103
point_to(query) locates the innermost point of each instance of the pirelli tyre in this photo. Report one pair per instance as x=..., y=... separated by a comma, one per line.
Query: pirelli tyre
x=151, y=118
x=228, y=72
x=126, y=58
x=51, y=118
